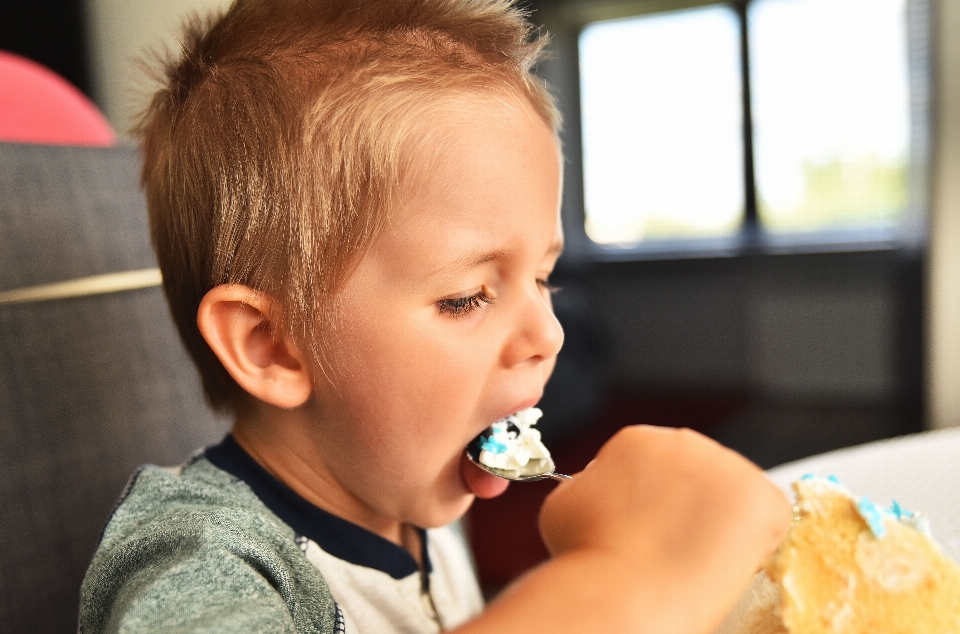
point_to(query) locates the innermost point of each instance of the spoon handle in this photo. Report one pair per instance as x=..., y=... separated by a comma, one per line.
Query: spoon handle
x=559, y=477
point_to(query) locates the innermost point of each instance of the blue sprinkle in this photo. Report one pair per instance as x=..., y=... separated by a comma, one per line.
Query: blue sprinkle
x=872, y=514
x=807, y=476
x=492, y=445
x=897, y=510
x=834, y=479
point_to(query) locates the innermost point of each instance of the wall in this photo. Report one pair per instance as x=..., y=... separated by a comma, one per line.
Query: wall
x=943, y=324
x=119, y=33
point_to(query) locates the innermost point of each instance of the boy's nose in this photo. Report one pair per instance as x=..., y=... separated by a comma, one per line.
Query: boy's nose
x=538, y=334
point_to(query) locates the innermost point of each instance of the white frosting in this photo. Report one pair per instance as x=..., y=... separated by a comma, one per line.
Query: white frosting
x=874, y=515
x=518, y=451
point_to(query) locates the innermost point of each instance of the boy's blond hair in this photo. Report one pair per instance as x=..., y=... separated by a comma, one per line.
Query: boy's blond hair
x=278, y=142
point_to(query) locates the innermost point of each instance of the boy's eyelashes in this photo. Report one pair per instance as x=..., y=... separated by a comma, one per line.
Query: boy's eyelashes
x=547, y=286
x=463, y=306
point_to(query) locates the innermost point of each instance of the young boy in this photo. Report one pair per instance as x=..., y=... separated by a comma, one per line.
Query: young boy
x=355, y=205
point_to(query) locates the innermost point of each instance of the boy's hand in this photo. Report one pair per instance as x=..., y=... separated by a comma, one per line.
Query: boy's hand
x=691, y=517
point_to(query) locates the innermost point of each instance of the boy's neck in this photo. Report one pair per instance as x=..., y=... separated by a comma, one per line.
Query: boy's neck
x=283, y=456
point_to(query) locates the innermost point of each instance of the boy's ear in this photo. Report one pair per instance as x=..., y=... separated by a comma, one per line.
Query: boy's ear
x=236, y=322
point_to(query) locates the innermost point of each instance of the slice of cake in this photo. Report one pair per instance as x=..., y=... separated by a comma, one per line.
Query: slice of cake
x=850, y=566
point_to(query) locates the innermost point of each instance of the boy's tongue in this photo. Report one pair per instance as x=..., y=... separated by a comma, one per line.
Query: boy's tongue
x=482, y=484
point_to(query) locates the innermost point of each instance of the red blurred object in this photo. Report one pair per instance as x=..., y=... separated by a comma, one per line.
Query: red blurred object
x=39, y=106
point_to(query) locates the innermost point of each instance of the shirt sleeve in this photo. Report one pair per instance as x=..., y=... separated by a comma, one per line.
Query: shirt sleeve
x=205, y=573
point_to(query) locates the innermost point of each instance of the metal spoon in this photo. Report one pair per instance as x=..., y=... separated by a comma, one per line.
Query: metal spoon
x=534, y=470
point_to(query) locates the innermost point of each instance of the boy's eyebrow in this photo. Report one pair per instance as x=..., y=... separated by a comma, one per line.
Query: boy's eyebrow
x=471, y=260
x=475, y=259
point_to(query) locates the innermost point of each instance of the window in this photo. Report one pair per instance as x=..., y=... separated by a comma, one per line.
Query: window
x=661, y=121
x=756, y=124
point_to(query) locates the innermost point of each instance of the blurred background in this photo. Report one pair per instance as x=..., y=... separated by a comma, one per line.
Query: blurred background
x=761, y=204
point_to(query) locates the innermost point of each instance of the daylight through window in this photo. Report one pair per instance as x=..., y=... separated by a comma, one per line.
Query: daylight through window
x=663, y=120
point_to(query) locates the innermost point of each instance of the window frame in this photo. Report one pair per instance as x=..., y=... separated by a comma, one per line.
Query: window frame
x=564, y=20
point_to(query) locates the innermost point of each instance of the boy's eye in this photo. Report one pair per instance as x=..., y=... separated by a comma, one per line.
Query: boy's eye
x=463, y=306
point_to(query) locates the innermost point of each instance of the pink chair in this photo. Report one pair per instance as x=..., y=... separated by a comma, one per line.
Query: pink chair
x=39, y=106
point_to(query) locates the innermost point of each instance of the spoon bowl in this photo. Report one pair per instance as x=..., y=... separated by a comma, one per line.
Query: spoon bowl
x=534, y=470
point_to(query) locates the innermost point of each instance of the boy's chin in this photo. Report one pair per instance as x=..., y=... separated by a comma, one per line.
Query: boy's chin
x=452, y=503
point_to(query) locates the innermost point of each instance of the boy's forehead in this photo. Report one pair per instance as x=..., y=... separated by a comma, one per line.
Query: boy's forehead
x=493, y=160
x=442, y=136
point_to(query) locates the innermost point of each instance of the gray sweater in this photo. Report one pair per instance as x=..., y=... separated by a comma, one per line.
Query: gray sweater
x=195, y=550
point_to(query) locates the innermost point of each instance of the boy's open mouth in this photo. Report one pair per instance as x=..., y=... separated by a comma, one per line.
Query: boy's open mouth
x=511, y=448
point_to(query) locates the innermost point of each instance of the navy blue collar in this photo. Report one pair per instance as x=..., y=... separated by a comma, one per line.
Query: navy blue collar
x=342, y=539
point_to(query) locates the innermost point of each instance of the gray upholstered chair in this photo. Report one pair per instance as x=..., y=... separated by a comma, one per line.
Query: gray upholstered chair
x=90, y=386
